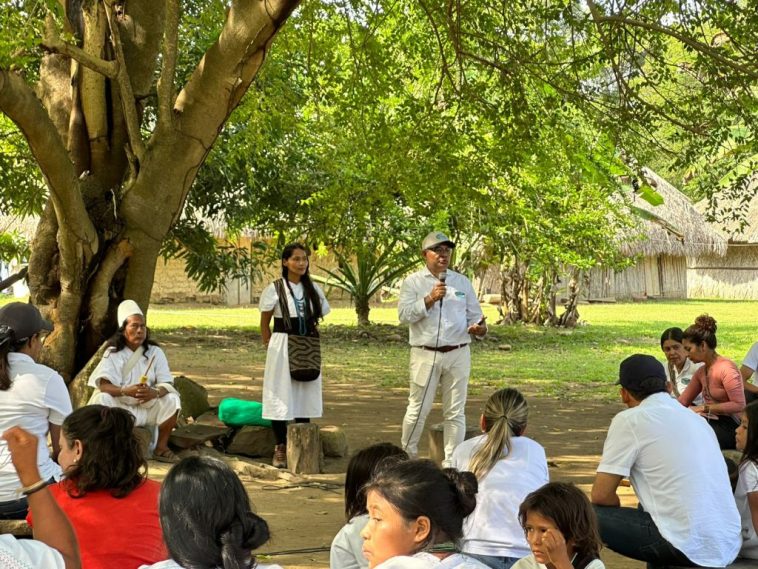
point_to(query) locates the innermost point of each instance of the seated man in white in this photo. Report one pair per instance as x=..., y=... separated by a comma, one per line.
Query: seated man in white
x=134, y=375
x=687, y=517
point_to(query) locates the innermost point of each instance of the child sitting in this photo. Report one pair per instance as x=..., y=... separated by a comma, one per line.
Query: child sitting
x=561, y=529
x=746, y=493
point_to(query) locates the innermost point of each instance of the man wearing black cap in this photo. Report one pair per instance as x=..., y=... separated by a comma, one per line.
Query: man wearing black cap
x=687, y=515
x=442, y=312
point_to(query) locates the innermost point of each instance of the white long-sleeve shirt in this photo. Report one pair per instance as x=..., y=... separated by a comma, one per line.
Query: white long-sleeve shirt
x=460, y=309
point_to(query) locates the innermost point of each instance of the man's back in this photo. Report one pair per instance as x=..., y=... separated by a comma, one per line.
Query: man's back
x=673, y=461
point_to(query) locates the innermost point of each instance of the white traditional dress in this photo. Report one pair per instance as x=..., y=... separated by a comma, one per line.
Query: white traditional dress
x=283, y=398
x=121, y=370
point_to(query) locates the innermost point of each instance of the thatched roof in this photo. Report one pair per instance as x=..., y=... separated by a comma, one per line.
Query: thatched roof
x=25, y=226
x=737, y=218
x=675, y=227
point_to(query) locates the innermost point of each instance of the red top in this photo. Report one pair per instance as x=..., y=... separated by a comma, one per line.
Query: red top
x=724, y=386
x=115, y=533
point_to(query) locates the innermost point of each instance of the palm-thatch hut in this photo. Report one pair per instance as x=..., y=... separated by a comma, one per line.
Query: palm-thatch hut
x=735, y=274
x=666, y=235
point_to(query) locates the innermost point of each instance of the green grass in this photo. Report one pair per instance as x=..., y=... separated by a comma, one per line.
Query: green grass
x=577, y=363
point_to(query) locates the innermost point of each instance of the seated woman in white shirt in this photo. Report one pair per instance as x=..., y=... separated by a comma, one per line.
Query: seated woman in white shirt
x=207, y=518
x=32, y=396
x=679, y=368
x=134, y=376
x=508, y=466
x=347, y=547
x=417, y=510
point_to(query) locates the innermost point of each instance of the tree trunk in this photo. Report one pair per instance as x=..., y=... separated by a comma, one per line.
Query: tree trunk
x=114, y=196
x=570, y=317
x=362, y=309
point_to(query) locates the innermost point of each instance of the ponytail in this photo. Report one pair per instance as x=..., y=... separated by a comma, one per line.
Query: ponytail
x=505, y=415
x=8, y=344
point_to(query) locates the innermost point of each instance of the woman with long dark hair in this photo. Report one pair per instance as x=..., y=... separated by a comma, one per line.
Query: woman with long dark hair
x=32, y=396
x=105, y=492
x=718, y=380
x=207, y=518
x=296, y=304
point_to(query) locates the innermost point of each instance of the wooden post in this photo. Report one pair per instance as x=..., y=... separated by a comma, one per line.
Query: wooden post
x=437, y=443
x=303, y=448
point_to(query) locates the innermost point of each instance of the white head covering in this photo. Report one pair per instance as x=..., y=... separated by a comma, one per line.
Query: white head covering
x=126, y=309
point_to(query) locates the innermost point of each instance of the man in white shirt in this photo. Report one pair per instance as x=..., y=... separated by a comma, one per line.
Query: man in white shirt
x=442, y=312
x=687, y=515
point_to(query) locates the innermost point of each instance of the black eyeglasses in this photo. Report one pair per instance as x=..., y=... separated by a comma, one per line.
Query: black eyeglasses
x=441, y=250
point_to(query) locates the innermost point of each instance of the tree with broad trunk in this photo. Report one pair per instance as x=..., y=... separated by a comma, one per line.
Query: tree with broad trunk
x=119, y=144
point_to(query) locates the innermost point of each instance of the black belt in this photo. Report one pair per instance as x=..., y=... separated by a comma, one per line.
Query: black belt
x=443, y=349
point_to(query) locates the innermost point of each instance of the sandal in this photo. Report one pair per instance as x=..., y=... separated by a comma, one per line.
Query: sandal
x=166, y=456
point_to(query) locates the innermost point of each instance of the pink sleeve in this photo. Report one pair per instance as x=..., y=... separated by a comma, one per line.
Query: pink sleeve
x=693, y=389
x=735, y=391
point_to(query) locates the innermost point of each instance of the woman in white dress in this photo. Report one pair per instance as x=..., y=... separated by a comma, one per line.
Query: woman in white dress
x=285, y=399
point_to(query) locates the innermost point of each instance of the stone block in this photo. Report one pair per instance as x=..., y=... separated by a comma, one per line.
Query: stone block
x=195, y=435
x=333, y=441
x=210, y=418
x=145, y=437
x=252, y=441
x=437, y=444
x=194, y=396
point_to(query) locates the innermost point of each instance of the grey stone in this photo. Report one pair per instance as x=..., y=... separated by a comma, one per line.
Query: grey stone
x=253, y=441
x=194, y=396
x=333, y=441
x=505, y=347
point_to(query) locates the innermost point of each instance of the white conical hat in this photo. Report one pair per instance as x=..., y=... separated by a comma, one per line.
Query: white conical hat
x=126, y=309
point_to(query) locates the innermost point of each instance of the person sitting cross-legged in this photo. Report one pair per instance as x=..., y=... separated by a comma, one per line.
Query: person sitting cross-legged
x=687, y=515
x=134, y=375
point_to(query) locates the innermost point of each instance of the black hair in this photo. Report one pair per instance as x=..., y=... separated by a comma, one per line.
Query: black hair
x=118, y=340
x=8, y=344
x=112, y=457
x=703, y=330
x=674, y=333
x=206, y=516
x=750, y=452
x=361, y=468
x=570, y=511
x=314, y=312
x=420, y=488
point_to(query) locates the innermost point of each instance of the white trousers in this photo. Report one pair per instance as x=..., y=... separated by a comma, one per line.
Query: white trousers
x=450, y=371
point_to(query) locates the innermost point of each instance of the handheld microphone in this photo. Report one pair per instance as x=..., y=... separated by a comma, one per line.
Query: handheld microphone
x=442, y=278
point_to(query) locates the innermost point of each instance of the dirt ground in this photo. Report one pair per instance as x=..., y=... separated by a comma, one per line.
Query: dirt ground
x=306, y=518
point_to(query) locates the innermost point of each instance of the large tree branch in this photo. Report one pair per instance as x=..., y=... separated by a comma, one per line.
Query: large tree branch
x=18, y=102
x=114, y=259
x=168, y=68
x=53, y=42
x=229, y=66
x=125, y=87
x=13, y=279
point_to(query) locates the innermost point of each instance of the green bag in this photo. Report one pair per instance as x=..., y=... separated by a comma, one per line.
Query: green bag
x=240, y=412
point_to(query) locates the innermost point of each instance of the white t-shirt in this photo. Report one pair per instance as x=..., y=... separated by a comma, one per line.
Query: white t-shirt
x=28, y=554
x=493, y=528
x=530, y=562
x=425, y=560
x=747, y=484
x=674, y=463
x=347, y=547
x=171, y=564
x=37, y=397
x=751, y=360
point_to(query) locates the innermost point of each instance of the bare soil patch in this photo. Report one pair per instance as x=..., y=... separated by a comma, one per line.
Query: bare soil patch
x=307, y=517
